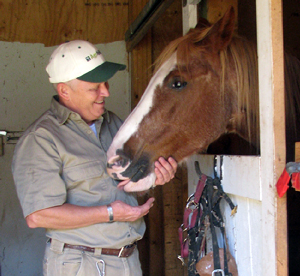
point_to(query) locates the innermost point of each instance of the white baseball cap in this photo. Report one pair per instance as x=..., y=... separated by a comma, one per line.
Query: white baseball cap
x=81, y=60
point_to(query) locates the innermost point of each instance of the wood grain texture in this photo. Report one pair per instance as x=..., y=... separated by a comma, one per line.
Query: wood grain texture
x=53, y=22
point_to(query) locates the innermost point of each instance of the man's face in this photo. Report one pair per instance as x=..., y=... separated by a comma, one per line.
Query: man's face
x=87, y=99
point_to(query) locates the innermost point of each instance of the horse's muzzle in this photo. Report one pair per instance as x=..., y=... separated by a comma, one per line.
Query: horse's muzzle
x=121, y=167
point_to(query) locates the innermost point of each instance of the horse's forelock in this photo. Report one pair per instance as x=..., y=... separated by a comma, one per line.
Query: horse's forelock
x=187, y=46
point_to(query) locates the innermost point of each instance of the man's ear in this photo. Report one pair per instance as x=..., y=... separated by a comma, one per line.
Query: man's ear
x=63, y=91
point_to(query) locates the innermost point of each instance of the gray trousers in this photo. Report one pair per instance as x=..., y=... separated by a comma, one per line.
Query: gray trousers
x=60, y=261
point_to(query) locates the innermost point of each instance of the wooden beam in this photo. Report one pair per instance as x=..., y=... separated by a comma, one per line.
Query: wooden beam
x=273, y=144
x=146, y=24
x=279, y=130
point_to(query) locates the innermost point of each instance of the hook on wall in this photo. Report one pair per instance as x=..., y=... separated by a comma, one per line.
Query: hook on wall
x=220, y=157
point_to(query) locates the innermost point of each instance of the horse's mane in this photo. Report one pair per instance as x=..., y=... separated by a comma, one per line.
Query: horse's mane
x=243, y=55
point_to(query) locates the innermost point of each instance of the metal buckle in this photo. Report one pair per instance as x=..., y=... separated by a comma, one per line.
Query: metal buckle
x=183, y=229
x=121, y=251
x=181, y=259
x=190, y=197
x=192, y=205
x=218, y=270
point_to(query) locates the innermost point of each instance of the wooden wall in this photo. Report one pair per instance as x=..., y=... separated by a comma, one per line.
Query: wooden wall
x=160, y=246
x=53, y=22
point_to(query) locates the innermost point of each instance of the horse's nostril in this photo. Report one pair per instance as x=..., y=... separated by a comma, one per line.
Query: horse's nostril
x=121, y=162
x=116, y=165
x=118, y=161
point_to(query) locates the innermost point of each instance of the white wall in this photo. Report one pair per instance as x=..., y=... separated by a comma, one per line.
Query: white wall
x=25, y=94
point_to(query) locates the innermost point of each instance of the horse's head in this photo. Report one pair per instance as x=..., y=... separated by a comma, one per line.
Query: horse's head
x=187, y=105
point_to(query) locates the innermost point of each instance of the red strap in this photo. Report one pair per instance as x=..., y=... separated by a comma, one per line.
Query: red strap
x=190, y=216
x=283, y=183
x=296, y=181
x=184, y=244
x=199, y=189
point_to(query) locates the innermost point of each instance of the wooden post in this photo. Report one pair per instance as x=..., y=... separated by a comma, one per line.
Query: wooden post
x=271, y=87
x=279, y=130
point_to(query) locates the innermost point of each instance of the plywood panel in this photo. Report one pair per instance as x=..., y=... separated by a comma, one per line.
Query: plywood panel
x=140, y=62
x=244, y=234
x=235, y=179
x=53, y=22
x=297, y=152
x=217, y=8
x=160, y=246
x=141, y=57
x=141, y=68
x=174, y=201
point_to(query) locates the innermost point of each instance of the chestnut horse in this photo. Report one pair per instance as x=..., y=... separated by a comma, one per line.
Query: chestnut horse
x=205, y=85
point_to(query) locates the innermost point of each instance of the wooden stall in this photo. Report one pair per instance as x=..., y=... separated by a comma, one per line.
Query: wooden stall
x=258, y=235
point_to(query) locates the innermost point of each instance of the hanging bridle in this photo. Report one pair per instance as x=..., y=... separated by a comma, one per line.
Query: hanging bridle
x=203, y=211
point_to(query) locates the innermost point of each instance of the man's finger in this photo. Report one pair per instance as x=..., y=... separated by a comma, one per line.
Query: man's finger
x=165, y=170
x=147, y=205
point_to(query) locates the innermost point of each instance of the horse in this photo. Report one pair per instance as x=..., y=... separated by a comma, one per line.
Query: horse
x=205, y=85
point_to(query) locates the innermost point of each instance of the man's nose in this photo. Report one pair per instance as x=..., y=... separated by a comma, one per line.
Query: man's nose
x=104, y=89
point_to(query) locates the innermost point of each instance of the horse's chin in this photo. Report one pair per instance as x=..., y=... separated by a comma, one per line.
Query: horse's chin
x=139, y=186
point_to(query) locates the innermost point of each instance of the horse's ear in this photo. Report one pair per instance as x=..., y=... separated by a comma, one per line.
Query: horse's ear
x=202, y=23
x=222, y=31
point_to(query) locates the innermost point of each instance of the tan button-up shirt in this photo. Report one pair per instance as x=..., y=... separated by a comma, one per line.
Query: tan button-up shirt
x=58, y=160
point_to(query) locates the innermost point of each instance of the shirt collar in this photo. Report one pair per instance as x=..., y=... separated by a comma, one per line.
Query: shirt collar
x=63, y=113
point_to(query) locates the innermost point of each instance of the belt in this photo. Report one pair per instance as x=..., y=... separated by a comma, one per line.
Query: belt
x=124, y=252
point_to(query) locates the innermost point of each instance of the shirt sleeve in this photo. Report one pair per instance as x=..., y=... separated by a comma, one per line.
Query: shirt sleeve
x=37, y=170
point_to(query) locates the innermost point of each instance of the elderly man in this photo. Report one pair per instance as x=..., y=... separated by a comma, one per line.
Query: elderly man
x=59, y=169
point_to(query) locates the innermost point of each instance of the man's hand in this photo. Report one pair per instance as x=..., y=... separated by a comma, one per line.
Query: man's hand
x=125, y=212
x=165, y=170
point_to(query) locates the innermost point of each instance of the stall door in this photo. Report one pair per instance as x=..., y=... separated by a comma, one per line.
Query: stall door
x=257, y=232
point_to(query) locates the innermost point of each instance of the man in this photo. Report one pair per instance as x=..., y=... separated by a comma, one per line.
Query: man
x=59, y=168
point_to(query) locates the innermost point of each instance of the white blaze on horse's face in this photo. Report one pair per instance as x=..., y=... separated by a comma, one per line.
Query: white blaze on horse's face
x=117, y=163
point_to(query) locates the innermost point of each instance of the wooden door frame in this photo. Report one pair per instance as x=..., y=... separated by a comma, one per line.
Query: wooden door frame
x=272, y=118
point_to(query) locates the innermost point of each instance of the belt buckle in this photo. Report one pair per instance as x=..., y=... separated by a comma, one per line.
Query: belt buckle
x=121, y=251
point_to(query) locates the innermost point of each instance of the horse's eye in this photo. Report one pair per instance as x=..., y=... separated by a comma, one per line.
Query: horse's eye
x=178, y=84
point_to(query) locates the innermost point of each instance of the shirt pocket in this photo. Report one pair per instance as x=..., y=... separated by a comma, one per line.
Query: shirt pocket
x=85, y=171
x=88, y=184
